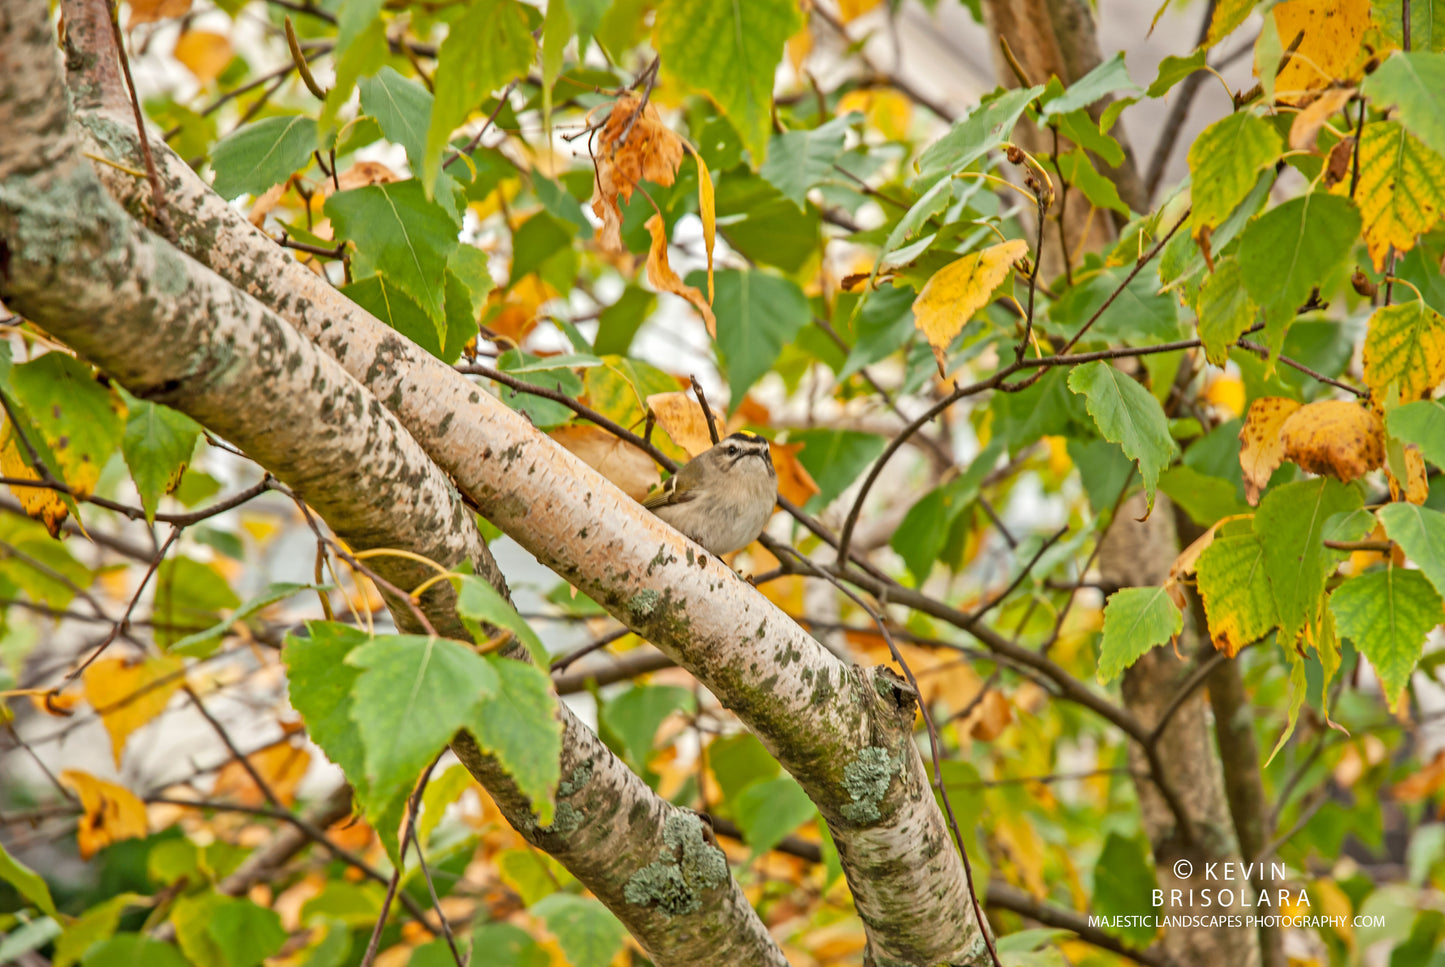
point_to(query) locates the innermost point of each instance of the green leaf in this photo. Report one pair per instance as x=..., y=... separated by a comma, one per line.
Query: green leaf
x=768, y=228
x=262, y=154
x=1427, y=23
x=363, y=54
x=985, y=128
x=543, y=413
x=1124, y=887
x=1225, y=310
x=157, y=445
x=556, y=33
x=413, y=694
x=381, y=296
x=188, y=595
x=620, y=321
x=588, y=933
x=1420, y=532
x=403, y=109
x=203, y=643
x=479, y=603
x=1204, y=498
x=1290, y=522
x=503, y=945
x=29, y=884
x=1128, y=415
x=1136, y=620
x=320, y=684
x=835, y=458
x=79, y=419
x=1172, y=70
x=757, y=314
x=245, y=932
x=731, y=51
x=633, y=718
x=27, y=937
x=1084, y=131
x=1107, y=78
x=92, y=926
x=881, y=327
x=1387, y=614
x=799, y=160
x=400, y=234
x=133, y=950
x=921, y=536
x=487, y=46
x=1076, y=169
x=1423, y=424
x=519, y=726
x=738, y=761
x=1289, y=250
x=768, y=811
x=1414, y=83
x=1224, y=164
x=1238, y=600
x=1140, y=313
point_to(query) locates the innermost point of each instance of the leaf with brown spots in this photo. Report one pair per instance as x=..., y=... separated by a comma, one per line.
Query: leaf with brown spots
x=1417, y=483
x=1261, y=450
x=80, y=420
x=1329, y=48
x=112, y=813
x=1401, y=192
x=633, y=146
x=41, y=503
x=626, y=466
x=1334, y=438
x=1406, y=346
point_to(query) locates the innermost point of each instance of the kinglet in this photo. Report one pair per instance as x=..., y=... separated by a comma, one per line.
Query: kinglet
x=724, y=496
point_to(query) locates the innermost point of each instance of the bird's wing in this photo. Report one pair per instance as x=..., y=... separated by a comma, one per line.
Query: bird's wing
x=668, y=495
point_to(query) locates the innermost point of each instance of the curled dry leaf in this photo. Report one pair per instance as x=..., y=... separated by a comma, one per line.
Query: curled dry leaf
x=634, y=145
x=662, y=277
x=1417, y=481
x=958, y=290
x=112, y=813
x=360, y=175
x=1334, y=438
x=511, y=313
x=1261, y=450
x=626, y=466
x=1184, y=565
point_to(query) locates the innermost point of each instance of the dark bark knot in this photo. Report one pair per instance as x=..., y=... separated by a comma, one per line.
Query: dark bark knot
x=687, y=866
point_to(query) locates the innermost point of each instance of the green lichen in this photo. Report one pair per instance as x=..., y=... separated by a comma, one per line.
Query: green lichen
x=577, y=780
x=644, y=602
x=686, y=867
x=566, y=820
x=866, y=780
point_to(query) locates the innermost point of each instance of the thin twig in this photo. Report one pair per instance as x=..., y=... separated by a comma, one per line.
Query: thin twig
x=706, y=410
x=121, y=624
x=476, y=139
x=436, y=900
x=163, y=219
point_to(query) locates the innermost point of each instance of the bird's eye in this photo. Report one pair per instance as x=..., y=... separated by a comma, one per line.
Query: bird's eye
x=733, y=450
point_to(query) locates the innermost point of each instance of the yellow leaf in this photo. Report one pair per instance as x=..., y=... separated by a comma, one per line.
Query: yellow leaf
x=149, y=11
x=1401, y=193
x=1261, y=450
x=1334, y=438
x=707, y=211
x=1405, y=345
x=127, y=695
x=1226, y=392
x=800, y=45
x=512, y=313
x=281, y=767
x=850, y=10
x=112, y=813
x=1417, y=482
x=959, y=289
x=682, y=419
x=41, y=504
x=886, y=110
x=662, y=277
x=1329, y=49
x=1307, y=123
x=204, y=54
x=626, y=466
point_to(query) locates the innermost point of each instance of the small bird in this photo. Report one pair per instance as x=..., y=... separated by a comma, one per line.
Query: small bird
x=724, y=496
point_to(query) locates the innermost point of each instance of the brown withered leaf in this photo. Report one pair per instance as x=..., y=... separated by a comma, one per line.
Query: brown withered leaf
x=681, y=418
x=361, y=175
x=1334, y=438
x=1337, y=165
x=626, y=466
x=1261, y=450
x=992, y=715
x=633, y=145
x=112, y=813
x=661, y=275
x=1424, y=783
x=1307, y=123
x=1417, y=482
x=794, y=481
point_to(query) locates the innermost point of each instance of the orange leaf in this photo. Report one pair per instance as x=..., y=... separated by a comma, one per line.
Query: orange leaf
x=622, y=463
x=1424, y=783
x=149, y=11
x=794, y=481
x=41, y=504
x=112, y=813
x=204, y=54
x=634, y=145
x=127, y=694
x=281, y=767
x=1334, y=438
x=512, y=313
x=682, y=419
x=1307, y=123
x=1329, y=49
x=662, y=277
x=991, y=716
x=1261, y=450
